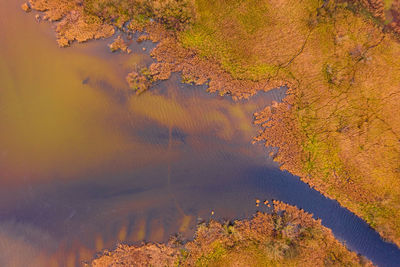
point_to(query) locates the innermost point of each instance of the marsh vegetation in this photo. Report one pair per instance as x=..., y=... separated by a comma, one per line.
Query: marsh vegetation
x=286, y=237
x=336, y=129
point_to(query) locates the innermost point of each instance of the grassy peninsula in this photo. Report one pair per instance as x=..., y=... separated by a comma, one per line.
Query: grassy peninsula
x=338, y=127
x=287, y=237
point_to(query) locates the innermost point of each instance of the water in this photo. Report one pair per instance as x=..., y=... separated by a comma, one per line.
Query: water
x=84, y=164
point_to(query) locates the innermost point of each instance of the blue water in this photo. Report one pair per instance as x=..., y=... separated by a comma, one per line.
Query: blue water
x=126, y=168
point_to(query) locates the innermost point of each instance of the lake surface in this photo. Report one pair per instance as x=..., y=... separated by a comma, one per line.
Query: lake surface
x=86, y=164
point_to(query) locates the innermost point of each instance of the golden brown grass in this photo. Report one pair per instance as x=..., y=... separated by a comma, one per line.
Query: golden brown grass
x=337, y=130
x=340, y=132
x=346, y=91
x=72, y=22
x=287, y=237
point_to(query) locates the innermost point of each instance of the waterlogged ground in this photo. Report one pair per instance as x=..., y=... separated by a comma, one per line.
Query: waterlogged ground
x=84, y=164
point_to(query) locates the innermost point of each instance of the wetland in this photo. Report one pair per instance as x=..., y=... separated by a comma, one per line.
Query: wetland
x=87, y=163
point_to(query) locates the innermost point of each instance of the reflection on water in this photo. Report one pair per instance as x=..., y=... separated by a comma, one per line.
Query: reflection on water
x=84, y=164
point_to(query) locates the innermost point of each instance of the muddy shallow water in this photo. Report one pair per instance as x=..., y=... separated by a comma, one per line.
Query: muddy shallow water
x=84, y=164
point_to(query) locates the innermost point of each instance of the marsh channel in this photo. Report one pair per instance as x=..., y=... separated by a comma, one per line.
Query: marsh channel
x=85, y=164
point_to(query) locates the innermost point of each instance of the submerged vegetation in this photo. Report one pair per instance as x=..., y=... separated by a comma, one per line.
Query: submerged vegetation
x=287, y=237
x=336, y=129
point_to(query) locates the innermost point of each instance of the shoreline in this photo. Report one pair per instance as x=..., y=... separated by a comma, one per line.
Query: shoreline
x=283, y=236
x=280, y=124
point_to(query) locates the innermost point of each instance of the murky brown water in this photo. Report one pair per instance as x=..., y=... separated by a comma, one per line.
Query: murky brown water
x=84, y=164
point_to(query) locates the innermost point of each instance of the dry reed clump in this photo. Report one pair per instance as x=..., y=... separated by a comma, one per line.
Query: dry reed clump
x=140, y=81
x=72, y=23
x=278, y=121
x=26, y=7
x=119, y=45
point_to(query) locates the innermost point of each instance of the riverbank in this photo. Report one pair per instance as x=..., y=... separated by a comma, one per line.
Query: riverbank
x=335, y=129
x=286, y=237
